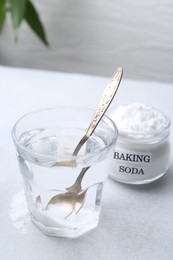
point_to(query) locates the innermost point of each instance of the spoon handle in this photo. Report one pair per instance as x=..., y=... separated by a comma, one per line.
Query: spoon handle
x=105, y=101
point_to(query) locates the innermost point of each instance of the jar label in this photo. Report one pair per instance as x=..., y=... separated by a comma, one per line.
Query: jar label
x=130, y=164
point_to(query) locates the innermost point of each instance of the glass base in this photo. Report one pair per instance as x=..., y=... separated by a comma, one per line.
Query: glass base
x=65, y=232
x=145, y=181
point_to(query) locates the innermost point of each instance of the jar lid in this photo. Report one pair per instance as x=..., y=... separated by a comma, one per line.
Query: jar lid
x=140, y=123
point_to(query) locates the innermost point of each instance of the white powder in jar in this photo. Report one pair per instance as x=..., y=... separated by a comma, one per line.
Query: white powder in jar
x=139, y=120
x=142, y=151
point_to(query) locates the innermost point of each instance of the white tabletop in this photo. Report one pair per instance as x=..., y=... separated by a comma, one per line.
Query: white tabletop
x=136, y=221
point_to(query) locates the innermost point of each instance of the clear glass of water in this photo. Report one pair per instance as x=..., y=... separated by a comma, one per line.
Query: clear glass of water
x=63, y=192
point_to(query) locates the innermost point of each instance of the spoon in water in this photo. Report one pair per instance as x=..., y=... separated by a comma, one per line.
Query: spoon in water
x=74, y=196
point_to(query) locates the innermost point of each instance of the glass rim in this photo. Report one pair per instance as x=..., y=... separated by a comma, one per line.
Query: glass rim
x=39, y=110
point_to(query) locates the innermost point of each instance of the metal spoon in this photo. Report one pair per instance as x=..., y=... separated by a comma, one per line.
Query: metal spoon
x=74, y=196
x=105, y=102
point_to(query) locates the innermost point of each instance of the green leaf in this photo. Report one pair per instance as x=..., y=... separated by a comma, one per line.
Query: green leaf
x=2, y=13
x=18, y=8
x=34, y=22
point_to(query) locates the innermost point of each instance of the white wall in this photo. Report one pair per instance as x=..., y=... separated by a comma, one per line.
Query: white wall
x=94, y=37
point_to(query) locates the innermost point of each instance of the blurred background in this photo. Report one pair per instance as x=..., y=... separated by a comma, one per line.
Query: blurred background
x=94, y=37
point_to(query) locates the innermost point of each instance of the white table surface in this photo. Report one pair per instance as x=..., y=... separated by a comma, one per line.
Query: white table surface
x=136, y=221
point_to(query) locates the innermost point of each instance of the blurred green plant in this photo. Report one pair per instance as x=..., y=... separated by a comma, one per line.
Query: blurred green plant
x=21, y=10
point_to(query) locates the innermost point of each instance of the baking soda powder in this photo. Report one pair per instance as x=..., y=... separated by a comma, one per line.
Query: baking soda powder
x=19, y=212
x=142, y=151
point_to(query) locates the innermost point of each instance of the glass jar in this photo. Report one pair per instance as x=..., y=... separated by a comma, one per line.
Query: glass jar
x=141, y=160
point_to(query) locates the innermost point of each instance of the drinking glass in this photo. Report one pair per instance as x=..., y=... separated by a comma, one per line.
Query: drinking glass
x=63, y=192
